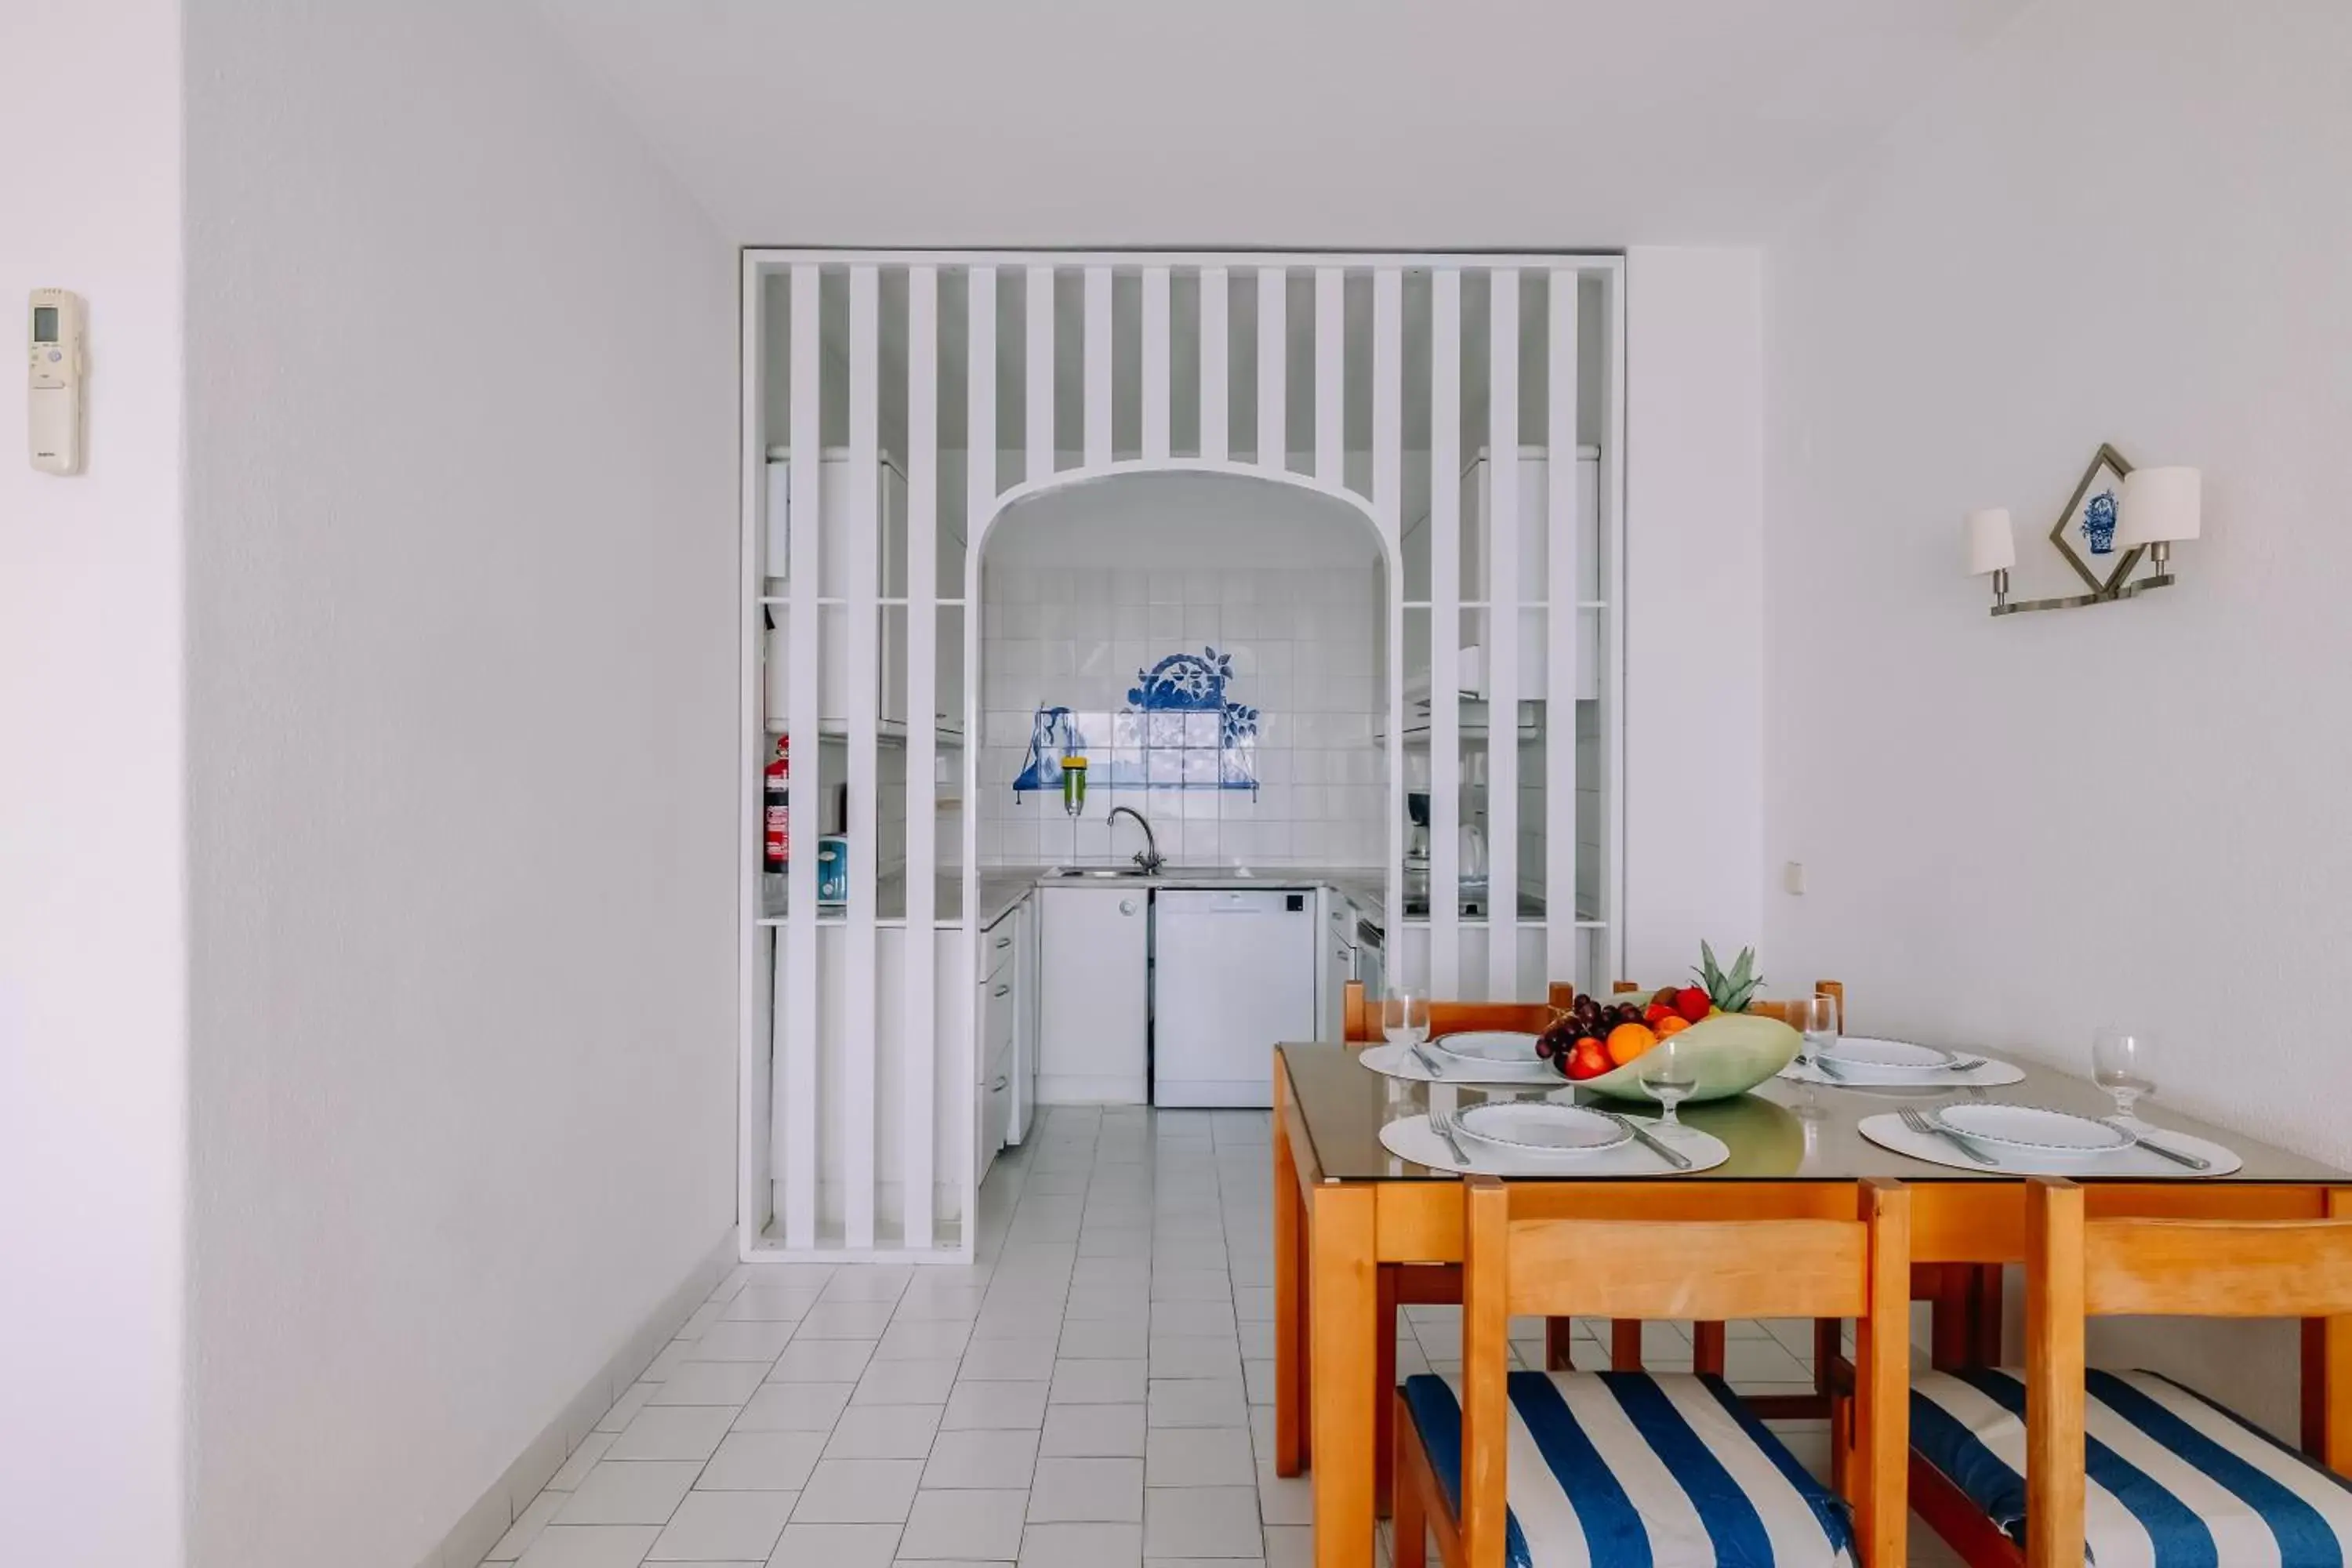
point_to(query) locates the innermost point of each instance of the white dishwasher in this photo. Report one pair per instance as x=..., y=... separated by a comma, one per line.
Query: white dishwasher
x=1234, y=975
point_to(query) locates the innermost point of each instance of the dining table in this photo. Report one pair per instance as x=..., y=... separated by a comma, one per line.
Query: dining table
x=1351, y=1220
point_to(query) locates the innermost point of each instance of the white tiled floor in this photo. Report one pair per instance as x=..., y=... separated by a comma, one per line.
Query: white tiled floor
x=1095, y=1392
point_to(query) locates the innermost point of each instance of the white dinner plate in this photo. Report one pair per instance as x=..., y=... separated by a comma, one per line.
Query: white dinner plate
x=1888, y=1056
x=1489, y=1045
x=1542, y=1126
x=2046, y=1134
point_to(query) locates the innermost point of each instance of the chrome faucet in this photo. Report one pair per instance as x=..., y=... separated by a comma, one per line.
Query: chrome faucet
x=1149, y=856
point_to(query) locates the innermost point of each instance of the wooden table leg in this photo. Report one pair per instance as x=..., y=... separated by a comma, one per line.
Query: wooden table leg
x=1344, y=1280
x=1950, y=1342
x=1560, y=1339
x=1985, y=1307
x=1290, y=1357
x=1707, y=1348
x=1384, y=1382
x=1625, y=1344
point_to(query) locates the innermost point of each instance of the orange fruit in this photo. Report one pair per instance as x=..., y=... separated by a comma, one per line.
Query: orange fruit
x=1627, y=1041
x=1672, y=1025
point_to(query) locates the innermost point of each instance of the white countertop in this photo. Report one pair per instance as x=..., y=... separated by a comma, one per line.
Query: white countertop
x=1001, y=887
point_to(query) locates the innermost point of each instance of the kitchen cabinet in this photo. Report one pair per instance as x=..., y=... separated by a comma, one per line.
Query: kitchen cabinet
x=835, y=507
x=1094, y=994
x=1006, y=1006
x=1338, y=960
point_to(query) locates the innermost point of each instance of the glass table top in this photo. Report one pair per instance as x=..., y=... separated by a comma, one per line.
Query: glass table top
x=1345, y=1104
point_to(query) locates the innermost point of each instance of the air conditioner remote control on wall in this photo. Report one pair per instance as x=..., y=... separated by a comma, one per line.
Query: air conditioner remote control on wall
x=59, y=366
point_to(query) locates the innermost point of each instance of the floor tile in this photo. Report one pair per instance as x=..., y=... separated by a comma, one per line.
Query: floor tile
x=914, y=1340
x=1292, y=1546
x=1105, y=1339
x=674, y=1431
x=969, y=1524
x=1097, y=1301
x=762, y=1461
x=1195, y=1355
x=1082, y=1546
x=1201, y=1521
x=771, y=1303
x=1175, y=1318
x=734, y=1527
x=884, y=1432
x=859, y=1491
x=1198, y=1402
x=846, y=1321
x=821, y=1360
x=795, y=1408
x=1198, y=1456
x=631, y=1492
x=1284, y=1499
x=526, y=1527
x=625, y=1409
x=711, y=1382
x=1093, y=1431
x=835, y=1546
x=1008, y=1361
x=996, y=1460
x=1086, y=1490
x=1098, y=1381
x=762, y=1343
x=590, y=1546
x=1192, y=1285
x=591, y=1448
x=905, y=1382
x=981, y=1405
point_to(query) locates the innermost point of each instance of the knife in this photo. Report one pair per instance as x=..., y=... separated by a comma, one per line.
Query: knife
x=1675, y=1157
x=2194, y=1162
x=1428, y=1063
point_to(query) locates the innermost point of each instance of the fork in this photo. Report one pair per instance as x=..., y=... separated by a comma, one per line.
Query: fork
x=1917, y=1122
x=1443, y=1120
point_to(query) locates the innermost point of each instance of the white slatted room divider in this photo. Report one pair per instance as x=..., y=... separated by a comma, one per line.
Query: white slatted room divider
x=860, y=1020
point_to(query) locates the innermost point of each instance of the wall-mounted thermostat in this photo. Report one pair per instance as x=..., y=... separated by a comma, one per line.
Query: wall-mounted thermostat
x=59, y=367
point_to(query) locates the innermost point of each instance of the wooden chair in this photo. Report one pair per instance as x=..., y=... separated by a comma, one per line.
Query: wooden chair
x=1631, y=1460
x=2115, y=1463
x=1440, y=1285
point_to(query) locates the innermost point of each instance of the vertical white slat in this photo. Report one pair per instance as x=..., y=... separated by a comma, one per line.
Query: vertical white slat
x=1503, y=592
x=1445, y=632
x=1216, y=356
x=980, y=502
x=1041, y=373
x=1155, y=363
x=1273, y=363
x=797, y=1082
x=1098, y=367
x=1330, y=365
x=1563, y=631
x=916, y=1172
x=1611, y=501
x=755, y=992
x=860, y=1037
x=1387, y=505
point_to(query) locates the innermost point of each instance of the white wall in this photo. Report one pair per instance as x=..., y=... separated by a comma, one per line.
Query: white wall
x=463, y=634
x=1694, y=561
x=2124, y=223
x=94, y=951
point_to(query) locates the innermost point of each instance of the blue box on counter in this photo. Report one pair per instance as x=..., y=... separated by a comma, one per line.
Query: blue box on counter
x=833, y=869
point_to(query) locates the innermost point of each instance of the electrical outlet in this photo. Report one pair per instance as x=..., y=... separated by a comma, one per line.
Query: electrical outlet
x=1792, y=877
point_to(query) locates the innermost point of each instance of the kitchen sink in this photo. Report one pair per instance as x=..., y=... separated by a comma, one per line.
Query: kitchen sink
x=1193, y=875
x=1098, y=873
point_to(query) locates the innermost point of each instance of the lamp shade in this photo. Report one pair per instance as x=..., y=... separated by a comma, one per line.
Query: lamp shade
x=2160, y=505
x=1992, y=544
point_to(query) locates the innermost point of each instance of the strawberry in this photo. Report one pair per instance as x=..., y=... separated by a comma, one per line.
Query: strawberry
x=1692, y=1003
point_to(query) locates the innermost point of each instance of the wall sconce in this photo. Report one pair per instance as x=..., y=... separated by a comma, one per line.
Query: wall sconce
x=2154, y=509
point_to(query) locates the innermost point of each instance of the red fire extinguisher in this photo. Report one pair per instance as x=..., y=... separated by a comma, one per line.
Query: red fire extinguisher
x=778, y=776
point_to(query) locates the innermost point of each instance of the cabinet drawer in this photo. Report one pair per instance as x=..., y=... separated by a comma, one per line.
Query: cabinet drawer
x=999, y=946
x=997, y=1014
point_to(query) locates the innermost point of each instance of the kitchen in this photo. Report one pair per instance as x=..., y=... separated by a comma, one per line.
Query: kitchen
x=1178, y=644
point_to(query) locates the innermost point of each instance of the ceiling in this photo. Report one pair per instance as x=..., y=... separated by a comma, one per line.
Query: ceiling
x=1406, y=123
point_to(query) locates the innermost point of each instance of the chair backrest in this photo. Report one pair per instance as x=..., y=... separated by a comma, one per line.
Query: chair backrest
x=2078, y=1267
x=1779, y=1010
x=1811, y=1250
x=1360, y=1016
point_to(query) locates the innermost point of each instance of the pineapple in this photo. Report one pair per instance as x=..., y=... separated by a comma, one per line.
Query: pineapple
x=1728, y=992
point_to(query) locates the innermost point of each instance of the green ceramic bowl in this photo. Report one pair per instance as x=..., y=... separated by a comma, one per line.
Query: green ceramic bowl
x=1734, y=1052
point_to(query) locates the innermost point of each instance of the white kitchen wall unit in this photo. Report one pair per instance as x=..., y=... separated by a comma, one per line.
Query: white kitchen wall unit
x=996, y=381
x=1007, y=1002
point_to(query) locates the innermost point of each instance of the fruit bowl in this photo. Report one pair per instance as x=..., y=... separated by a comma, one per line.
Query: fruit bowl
x=1733, y=1052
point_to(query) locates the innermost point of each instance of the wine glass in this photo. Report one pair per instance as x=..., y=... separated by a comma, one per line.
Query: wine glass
x=2124, y=1063
x=1670, y=1072
x=1816, y=1018
x=1404, y=1017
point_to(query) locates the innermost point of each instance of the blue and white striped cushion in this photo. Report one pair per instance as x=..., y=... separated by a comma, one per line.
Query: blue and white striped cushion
x=2175, y=1480
x=1624, y=1469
